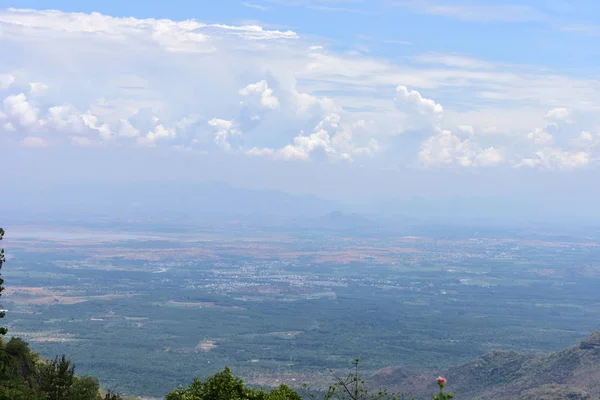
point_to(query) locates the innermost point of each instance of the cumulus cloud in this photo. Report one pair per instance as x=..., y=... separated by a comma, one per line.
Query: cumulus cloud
x=584, y=140
x=419, y=112
x=547, y=151
x=91, y=121
x=64, y=117
x=445, y=148
x=19, y=111
x=300, y=100
x=331, y=140
x=126, y=129
x=158, y=133
x=556, y=158
x=540, y=137
x=263, y=92
x=224, y=130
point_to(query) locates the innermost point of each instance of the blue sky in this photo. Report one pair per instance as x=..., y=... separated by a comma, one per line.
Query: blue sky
x=311, y=96
x=497, y=30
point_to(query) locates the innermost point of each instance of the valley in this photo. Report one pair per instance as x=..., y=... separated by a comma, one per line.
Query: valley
x=145, y=313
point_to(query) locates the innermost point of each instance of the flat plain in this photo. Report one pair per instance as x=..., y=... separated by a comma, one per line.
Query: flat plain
x=148, y=311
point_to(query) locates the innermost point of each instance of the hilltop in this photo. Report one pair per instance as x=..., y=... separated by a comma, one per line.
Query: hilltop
x=572, y=373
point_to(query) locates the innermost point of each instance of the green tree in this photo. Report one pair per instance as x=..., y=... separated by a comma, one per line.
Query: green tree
x=22, y=361
x=84, y=388
x=221, y=386
x=18, y=372
x=56, y=378
x=224, y=386
x=111, y=396
x=3, y=330
x=283, y=392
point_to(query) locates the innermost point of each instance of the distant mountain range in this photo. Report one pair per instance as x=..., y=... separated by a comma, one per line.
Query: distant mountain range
x=572, y=373
x=159, y=200
x=181, y=202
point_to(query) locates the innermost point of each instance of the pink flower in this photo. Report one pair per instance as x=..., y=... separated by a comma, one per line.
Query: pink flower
x=441, y=381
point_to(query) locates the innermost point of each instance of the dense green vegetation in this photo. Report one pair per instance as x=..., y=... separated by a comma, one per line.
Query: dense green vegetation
x=25, y=376
x=224, y=386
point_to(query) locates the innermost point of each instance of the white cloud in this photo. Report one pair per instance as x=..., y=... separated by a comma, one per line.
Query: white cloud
x=584, y=140
x=331, y=140
x=470, y=11
x=7, y=127
x=127, y=130
x=64, y=118
x=466, y=129
x=305, y=101
x=174, y=36
x=445, y=148
x=158, y=133
x=91, y=121
x=489, y=157
x=419, y=112
x=83, y=141
x=224, y=131
x=6, y=81
x=20, y=111
x=34, y=141
x=254, y=6
x=586, y=29
x=453, y=60
x=556, y=158
x=559, y=114
x=265, y=94
x=549, y=154
x=540, y=137
x=37, y=88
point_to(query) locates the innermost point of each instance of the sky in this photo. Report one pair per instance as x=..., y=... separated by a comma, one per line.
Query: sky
x=349, y=100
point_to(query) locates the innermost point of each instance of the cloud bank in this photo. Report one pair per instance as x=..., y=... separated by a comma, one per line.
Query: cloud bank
x=94, y=80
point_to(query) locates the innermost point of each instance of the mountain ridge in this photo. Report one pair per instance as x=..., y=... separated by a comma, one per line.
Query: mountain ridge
x=571, y=373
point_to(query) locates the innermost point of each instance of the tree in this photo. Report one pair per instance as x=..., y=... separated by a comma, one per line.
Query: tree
x=20, y=362
x=84, y=388
x=112, y=396
x=221, y=386
x=56, y=378
x=224, y=386
x=3, y=330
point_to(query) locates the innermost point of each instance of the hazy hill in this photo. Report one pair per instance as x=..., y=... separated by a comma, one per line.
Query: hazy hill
x=572, y=373
x=207, y=200
x=338, y=220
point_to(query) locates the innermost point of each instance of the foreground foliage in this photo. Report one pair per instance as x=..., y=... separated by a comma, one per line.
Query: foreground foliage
x=25, y=376
x=224, y=386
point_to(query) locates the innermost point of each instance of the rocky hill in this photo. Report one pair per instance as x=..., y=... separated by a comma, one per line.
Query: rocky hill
x=572, y=373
